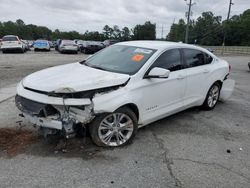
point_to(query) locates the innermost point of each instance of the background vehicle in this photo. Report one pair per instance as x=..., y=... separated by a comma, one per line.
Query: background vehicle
x=12, y=43
x=31, y=42
x=68, y=46
x=110, y=42
x=91, y=47
x=122, y=88
x=26, y=45
x=51, y=44
x=41, y=45
x=57, y=44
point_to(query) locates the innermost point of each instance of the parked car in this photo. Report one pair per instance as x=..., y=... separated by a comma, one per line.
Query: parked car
x=41, y=45
x=110, y=42
x=26, y=45
x=122, y=88
x=12, y=43
x=90, y=47
x=57, y=44
x=31, y=42
x=51, y=44
x=68, y=46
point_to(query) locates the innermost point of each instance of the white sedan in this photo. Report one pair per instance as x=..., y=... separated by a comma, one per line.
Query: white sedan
x=68, y=46
x=122, y=88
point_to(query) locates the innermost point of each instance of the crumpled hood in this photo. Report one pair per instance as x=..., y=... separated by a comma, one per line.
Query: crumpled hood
x=75, y=76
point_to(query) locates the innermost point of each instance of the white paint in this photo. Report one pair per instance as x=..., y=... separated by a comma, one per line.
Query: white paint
x=76, y=76
x=155, y=98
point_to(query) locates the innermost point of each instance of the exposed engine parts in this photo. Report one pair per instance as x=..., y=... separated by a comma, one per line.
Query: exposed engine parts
x=60, y=117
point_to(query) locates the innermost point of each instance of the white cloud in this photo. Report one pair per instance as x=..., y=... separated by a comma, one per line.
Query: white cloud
x=85, y=15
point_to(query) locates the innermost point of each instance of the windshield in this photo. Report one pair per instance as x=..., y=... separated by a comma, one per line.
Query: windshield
x=120, y=59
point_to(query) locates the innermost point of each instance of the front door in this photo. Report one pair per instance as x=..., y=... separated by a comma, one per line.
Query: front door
x=163, y=96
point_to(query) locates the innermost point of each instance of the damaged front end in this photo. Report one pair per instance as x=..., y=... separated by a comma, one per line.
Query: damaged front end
x=59, y=112
x=54, y=118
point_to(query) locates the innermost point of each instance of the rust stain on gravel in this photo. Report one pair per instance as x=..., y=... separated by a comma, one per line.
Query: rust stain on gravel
x=15, y=141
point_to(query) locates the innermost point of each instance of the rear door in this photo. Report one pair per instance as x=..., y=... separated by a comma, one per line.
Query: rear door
x=198, y=71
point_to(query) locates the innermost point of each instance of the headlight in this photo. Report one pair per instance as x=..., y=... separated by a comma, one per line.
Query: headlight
x=65, y=90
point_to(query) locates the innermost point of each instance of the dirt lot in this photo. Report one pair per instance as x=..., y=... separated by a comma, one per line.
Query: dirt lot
x=191, y=149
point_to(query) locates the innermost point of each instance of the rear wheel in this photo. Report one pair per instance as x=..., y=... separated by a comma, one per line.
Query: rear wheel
x=212, y=97
x=114, y=129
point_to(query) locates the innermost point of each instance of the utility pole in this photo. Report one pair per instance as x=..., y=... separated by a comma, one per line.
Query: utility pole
x=190, y=4
x=224, y=31
x=229, y=9
x=162, y=32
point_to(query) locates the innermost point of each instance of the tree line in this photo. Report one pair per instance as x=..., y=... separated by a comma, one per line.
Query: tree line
x=209, y=29
x=145, y=31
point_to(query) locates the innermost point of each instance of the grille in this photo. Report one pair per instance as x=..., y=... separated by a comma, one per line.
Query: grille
x=34, y=108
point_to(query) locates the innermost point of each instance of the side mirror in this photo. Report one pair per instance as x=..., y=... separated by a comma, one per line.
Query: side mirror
x=158, y=73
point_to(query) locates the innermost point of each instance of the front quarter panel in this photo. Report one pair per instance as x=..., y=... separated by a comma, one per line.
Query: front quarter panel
x=111, y=101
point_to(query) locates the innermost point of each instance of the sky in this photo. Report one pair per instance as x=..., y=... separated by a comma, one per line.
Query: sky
x=93, y=15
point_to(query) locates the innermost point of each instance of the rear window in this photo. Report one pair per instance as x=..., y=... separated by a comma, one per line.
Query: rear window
x=41, y=42
x=9, y=39
x=68, y=42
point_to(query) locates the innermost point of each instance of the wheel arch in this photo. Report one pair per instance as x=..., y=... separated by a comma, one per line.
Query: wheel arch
x=133, y=107
x=219, y=82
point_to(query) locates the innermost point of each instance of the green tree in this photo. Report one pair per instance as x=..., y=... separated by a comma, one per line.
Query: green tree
x=177, y=32
x=207, y=30
x=144, y=32
x=125, y=34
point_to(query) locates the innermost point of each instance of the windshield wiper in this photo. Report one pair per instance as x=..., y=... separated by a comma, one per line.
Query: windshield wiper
x=96, y=67
x=92, y=66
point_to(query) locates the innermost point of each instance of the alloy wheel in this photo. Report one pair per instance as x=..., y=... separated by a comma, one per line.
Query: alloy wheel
x=213, y=96
x=115, y=129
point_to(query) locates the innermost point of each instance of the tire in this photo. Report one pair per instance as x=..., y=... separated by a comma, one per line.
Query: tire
x=3, y=51
x=104, y=123
x=212, y=97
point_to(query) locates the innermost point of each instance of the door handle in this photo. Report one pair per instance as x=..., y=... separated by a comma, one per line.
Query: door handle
x=206, y=71
x=180, y=77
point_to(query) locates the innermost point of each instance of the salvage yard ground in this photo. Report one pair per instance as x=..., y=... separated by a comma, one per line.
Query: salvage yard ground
x=191, y=149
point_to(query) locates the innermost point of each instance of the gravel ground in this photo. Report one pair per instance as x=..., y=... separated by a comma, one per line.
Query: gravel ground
x=190, y=149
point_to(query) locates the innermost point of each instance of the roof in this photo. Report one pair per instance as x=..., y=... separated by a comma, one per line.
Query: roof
x=9, y=36
x=157, y=45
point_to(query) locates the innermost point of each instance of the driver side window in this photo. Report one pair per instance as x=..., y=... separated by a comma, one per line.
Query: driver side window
x=170, y=60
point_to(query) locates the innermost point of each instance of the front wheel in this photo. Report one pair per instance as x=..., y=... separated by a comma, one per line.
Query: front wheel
x=114, y=129
x=212, y=97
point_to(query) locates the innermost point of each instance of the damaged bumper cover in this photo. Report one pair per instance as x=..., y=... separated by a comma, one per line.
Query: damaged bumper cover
x=53, y=112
